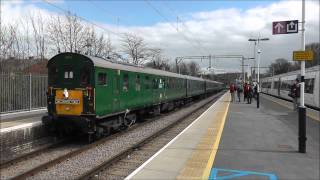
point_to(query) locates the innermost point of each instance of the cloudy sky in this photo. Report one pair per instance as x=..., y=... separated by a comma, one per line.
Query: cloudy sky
x=185, y=28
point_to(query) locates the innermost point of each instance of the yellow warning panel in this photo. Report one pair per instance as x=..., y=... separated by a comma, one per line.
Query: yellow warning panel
x=71, y=105
x=198, y=166
x=303, y=55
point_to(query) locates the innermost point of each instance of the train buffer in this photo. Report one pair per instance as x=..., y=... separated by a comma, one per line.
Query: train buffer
x=238, y=141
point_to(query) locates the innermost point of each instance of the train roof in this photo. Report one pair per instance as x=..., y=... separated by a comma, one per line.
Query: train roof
x=297, y=72
x=100, y=62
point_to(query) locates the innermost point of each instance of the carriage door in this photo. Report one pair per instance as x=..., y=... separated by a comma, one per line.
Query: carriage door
x=116, y=91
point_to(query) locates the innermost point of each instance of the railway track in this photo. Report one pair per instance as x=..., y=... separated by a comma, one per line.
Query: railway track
x=31, y=154
x=121, y=165
x=43, y=167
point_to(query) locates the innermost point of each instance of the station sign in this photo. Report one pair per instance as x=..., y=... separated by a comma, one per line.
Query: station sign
x=303, y=55
x=285, y=27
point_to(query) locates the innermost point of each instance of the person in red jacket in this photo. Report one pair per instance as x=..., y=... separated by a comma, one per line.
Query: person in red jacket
x=245, y=92
x=249, y=93
x=232, y=90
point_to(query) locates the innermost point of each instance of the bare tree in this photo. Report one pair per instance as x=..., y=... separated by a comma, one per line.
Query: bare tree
x=135, y=47
x=183, y=68
x=193, y=68
x=74, y=32
x=39, y=35
x=157, y=59
x=55, y=34
x=97, y=45
x=315, y=47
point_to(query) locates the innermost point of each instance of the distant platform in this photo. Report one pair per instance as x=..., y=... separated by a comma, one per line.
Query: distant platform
x=238, y=141
x=20, y=120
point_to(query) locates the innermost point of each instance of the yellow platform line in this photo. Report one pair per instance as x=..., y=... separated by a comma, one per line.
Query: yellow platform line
x=202, y=157
x=207, y=170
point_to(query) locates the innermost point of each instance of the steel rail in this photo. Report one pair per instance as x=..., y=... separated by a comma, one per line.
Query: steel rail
x=71, y=154
x=90, y=174
x=31, y=154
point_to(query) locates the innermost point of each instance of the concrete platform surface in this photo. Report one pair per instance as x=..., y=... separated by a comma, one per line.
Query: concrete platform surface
x=22, y=115
x=263, y=144
x=190, y=154
x=255, y=144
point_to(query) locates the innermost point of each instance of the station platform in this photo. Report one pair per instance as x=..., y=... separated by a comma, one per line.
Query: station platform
x=18, y=120
x=21, y=128
x=233, y=140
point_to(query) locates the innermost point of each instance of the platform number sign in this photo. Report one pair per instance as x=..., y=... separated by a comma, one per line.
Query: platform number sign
x=285, y=27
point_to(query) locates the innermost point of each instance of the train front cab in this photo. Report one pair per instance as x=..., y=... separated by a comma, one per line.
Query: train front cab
x=70, y=96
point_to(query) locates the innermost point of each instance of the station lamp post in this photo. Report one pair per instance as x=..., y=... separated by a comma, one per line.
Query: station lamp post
x=259, y=52
x=242, y=67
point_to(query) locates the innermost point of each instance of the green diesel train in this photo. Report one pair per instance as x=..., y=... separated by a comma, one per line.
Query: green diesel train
x=95, y=95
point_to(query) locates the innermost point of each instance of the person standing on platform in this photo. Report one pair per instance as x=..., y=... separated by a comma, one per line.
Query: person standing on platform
x=245, y=92
x=250, y=93
x=232, y=89
x=255, y=91
x=239, y=91
x=295, y=94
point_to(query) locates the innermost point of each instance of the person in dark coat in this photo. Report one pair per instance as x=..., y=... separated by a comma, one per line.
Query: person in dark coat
x=255, y=91
x=295, y=94
x=239, y=91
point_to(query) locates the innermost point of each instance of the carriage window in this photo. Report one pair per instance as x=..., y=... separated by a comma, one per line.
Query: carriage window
x=125, y=82
x=284, y=85
x=161, y=84
x=309, y=85
x=146, y=82
x=102, y=79
x=138, y=83
x=276, y=85
x=68, y=73
x=155, y=84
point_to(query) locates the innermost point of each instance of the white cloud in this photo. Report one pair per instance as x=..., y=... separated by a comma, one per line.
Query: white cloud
x=222, y=31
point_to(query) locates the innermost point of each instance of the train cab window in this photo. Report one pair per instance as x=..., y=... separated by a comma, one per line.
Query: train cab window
x=68, y=73
x=138, y=86
x=85, y=76
x=53, y=73
x=102, y=79
x=125, y=82
x=309, y=86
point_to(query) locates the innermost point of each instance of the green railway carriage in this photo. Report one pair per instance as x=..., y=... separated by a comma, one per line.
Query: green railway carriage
x=97, y=95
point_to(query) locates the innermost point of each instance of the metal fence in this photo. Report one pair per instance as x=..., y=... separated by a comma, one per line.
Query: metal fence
x=20, y=92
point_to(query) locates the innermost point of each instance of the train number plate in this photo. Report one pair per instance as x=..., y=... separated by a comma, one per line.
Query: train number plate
x=67, y=101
